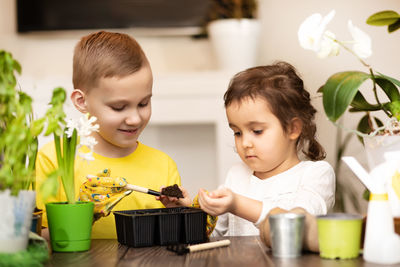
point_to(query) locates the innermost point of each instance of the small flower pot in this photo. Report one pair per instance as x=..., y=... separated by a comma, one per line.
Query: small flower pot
x=16, y=212
x=36, y=225
x=235, y=42
x=70, y=225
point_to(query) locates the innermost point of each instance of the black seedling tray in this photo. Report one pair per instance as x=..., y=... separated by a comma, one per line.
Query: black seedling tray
x=166, y=226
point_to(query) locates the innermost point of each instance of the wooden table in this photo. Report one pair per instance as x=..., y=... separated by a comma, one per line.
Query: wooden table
x=243, y=251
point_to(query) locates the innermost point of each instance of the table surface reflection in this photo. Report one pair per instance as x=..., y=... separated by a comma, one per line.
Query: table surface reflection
x=243, y=251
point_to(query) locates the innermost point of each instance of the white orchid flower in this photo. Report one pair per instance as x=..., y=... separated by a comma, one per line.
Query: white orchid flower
x=362, y=41
x=328, y=46
x=312, y=29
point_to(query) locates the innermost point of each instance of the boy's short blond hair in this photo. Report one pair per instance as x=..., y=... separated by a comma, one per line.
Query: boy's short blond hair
x=105, y=54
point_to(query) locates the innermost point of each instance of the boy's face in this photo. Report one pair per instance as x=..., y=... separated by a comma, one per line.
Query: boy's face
x=123, y=109
x=260, y=140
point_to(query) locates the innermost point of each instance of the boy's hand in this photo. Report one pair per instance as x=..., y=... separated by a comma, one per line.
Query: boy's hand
x=171, y=202
x=104, y=191
x=217, y=202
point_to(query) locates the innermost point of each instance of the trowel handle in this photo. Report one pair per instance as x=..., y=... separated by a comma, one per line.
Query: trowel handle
x=142, y=189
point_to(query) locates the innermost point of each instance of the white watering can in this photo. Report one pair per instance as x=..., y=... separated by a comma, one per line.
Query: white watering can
x=381, y=243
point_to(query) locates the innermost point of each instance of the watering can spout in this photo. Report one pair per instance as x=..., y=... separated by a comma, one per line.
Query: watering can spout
x=360, y=172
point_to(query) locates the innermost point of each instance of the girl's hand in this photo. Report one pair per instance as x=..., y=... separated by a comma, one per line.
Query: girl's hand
x=217, y=202
x=171, y=202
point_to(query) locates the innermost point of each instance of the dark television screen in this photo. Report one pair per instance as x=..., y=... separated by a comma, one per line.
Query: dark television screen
x=45, y=15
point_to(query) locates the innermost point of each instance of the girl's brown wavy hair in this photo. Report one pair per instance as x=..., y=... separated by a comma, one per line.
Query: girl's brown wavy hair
x=283, y=89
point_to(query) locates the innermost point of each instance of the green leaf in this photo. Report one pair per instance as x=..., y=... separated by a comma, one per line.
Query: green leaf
x=359, y=103
x=366, y=194
x=394, y=27
x=364, y=126
x=59, y=96
x=37, y=126
x=383, y=18
x=388, y=87
x=394, y=108
x=340, y=90
x=50, y=185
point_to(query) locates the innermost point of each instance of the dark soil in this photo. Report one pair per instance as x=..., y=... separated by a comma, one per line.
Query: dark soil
x=172, y=191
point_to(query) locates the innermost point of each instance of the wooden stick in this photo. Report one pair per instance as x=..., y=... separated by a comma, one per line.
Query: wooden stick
x=209, y=245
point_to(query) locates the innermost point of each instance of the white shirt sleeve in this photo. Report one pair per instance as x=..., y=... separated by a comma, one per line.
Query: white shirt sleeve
x=315, y=192
x=221, y=229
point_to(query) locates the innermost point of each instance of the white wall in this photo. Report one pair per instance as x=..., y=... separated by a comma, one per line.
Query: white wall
x=47, y=57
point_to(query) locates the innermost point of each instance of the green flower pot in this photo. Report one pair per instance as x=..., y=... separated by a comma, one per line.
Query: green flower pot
x=70, y=225
x=339, y=235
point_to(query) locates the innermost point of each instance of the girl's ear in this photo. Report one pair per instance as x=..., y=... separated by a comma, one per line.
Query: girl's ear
x=78, y=97
x=296, y=126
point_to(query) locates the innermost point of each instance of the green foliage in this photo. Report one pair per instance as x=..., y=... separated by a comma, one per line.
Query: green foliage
x=226, y=9
x=385, y=18
x=66, y=160
x=341, y=91
x=18, y=129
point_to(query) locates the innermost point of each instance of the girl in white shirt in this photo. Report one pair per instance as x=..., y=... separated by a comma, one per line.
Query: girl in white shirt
x=272, y=119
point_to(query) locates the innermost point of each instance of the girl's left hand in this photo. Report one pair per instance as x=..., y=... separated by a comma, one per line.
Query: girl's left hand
x=217, y=202
x=171, y=202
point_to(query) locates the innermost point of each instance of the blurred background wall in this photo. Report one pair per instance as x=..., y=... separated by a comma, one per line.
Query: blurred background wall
x=188, y=117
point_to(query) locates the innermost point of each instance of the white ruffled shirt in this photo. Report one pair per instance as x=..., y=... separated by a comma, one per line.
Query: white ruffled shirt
x=309, y=184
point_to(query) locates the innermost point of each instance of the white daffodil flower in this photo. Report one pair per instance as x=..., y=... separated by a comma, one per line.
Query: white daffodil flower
x=88, y=141
x=86, y=127
x=86, y=156
x=362, y=41
x=71, y=126
x=312, y=29
x=328, y=46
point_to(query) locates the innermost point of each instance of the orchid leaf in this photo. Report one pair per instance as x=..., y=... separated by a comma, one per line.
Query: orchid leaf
x=383, y=18
x=340, y=90
x=394, y=27
x=365, y=127
x=359, y=103
x=393, y=80
x=388, y=87
x=394, y=108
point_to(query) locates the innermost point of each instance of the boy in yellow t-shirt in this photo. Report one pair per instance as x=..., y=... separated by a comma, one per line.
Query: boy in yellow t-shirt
x=113, y=81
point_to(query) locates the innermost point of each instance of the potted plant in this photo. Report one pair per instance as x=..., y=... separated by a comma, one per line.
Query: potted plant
x=234, y=33
x=70, y=222
x=18, y=147
x=341, y=92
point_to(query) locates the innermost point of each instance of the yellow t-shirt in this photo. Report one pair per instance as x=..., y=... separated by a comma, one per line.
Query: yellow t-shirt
x=146, y=167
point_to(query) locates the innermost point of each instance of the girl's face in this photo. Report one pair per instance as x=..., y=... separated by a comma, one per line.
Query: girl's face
x=260, y=139
x=123, y=109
